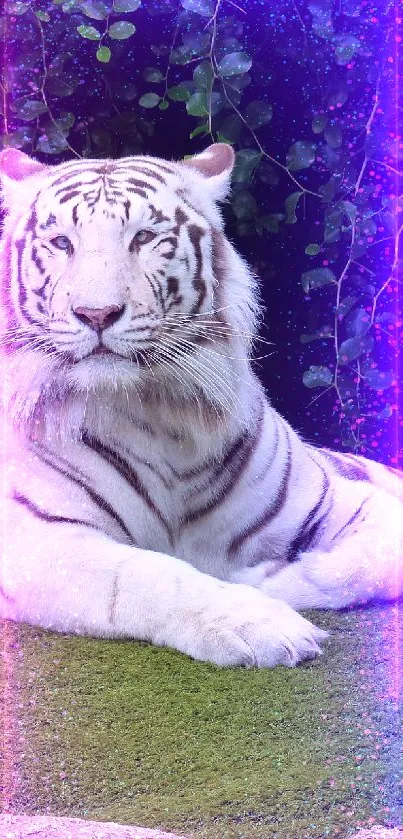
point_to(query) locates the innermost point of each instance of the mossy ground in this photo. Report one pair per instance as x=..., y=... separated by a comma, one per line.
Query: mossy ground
x=127, y=732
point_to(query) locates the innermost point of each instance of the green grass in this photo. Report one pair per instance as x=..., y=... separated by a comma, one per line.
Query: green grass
x=123, y=731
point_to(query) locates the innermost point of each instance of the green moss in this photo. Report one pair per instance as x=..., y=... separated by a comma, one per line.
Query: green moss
x=128, y=732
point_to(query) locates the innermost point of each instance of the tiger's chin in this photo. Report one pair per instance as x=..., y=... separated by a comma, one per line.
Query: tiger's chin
x=46, y=396
x=105, y=370
x=52, y=399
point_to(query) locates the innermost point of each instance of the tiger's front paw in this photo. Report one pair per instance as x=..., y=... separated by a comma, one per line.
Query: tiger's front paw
x=242, y=627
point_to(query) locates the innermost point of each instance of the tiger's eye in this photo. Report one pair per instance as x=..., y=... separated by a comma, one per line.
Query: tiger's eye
x=144, y=236
x=62, y=243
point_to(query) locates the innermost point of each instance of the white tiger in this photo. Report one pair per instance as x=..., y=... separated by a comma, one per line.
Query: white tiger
x=150, y=491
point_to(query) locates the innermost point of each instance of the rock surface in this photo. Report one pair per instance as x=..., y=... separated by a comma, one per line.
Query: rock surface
x=379, y=832
x=54, y=827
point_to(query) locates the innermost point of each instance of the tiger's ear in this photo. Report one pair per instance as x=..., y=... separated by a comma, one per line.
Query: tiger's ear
x=216, y=164
x=15, y=166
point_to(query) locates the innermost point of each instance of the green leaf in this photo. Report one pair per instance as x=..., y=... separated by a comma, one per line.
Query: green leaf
x=386, y=412
x=104, y=54
x=51, y=144
x=121, y=30
x=64, y=122
x=326, y=335
x=321, y=18
x=351, y=8
x=244, y=228
x=215, y=102
x=102, y=140
x=338, y=98
x=334, y=136
x=195, y=44
x=28, y=109
x=246, y=161
x=152, y=75
x=221, y=138
x=197, y=104
x=359, y=247
x=347, y=46
x=162, y=49
x=126, y=93
x=234, y=64
x=319, y=123
x=89, y=32
x=180, y=93
x=122, y=6
x=269, y=222
x=290, y=204
x=354, y=347
x=43, y=16
x=164, y=105
x=333, y=222
x=258, y=113
x=306, y=339
x=59, y=86
x=347, y=390
x=389, y=221
x=201, y=129
x=317, y=278
x=18, y=139
x=181, y=55
x=317, y=376
x=203, y=76
x=95, y=9
x=244, y=205
x=361, y=321
x=234, y=90
x=386, y=317
x=56, y=65
x=380, y=379
x=312, y=250
x=52, y=140
x=301, y=155
x=267, y=173
x=363, y=285
x=204, y=8
x=328, y=190
x=231, y=128
x=395, y=203
x=18, y=8
x=367, y=227
x=149, y=100
x=349, y=209
x=345, y=305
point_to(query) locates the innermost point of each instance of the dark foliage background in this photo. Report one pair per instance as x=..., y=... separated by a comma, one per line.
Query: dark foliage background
x=307, y=94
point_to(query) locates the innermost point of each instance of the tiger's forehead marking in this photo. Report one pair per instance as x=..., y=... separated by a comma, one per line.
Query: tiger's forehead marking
x=51, y=221
x=147, y=166
x=90, y=183
x=157, y=215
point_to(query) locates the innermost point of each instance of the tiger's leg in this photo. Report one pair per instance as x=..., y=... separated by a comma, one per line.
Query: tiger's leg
x=365, y=563
x=67, y=577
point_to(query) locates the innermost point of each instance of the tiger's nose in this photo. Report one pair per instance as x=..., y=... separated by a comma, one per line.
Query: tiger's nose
x=98, y=318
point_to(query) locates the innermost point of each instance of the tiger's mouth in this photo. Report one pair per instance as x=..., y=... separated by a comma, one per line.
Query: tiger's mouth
x=101, y=351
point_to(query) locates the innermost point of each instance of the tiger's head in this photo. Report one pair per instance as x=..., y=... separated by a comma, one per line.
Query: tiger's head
x=117, y=275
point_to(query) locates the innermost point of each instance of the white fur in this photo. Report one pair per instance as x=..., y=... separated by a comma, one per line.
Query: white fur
x=183, y=591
